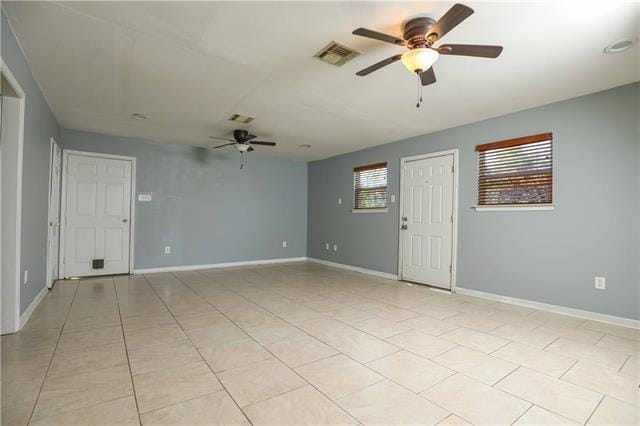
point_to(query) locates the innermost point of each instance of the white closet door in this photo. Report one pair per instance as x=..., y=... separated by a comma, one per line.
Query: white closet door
x=98, y=213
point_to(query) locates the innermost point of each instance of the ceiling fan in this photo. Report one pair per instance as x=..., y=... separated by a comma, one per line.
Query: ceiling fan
x=419, y=37
x=243, y=141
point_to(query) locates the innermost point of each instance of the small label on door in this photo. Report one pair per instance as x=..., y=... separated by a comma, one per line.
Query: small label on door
x=97, y=264
x=144, y=197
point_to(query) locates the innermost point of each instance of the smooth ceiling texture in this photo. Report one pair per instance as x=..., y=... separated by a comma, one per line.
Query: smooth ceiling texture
x=189, y=66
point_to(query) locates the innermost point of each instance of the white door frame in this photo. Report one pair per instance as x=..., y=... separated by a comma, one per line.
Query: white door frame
x=50, y=219
x=454, y=236
x=63, y=214
x=21, y=106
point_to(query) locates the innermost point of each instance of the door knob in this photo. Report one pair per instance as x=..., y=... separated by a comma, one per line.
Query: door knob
x=403, y=227
x=125, y=220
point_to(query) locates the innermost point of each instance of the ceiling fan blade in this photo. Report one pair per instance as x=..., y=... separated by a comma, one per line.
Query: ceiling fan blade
x=250, y=149
x=263, y=143
x=428, y=77
x=249, y=137
x=378, y=65
x=449, y=21
x=226, y=144
x=363, y=32
x=476, y=50
x=222, y=139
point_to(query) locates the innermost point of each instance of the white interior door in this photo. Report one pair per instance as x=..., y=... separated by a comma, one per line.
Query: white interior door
x=98, y=212
x=427, y=221
x=54, y=214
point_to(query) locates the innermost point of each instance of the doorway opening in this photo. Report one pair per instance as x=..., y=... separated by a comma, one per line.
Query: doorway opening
x=11, y=152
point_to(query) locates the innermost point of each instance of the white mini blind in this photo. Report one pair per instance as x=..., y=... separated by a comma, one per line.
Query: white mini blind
x=516, y=171
x=370, y=186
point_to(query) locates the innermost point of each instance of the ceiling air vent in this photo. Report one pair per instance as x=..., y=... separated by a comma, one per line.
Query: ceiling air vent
x=336, y=54
x=244, y=119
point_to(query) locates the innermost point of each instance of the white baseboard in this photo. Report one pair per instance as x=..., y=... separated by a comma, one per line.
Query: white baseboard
x=354, y=268
x=32, y=306
x=578, y=313
x=217, y=265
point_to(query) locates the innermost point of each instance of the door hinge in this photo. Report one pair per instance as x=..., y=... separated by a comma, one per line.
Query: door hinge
x=450, y=269
x=452, y=169
x=451, y=217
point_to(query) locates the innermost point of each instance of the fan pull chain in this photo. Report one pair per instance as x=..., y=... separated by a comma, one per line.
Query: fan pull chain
x=242, y=160
x=419, y=91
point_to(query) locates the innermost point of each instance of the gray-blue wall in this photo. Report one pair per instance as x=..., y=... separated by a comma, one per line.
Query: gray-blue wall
x=204, y=206
x=546, y=256
x=40, y=126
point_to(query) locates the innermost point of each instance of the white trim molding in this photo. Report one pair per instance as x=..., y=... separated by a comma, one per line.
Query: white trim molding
x=32, y=306
x=217, y=265
x=16, y=326
x=354, y=268
x=578, y=313
x=514, y=207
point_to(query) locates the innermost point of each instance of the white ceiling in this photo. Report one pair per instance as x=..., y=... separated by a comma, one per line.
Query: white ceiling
x=189, y=66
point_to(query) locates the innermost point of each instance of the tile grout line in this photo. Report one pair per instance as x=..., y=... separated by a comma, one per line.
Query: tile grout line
x=44, y=378
x=522, y=415
x=195, y=347
x=126, y=351
x=595, y=409
x=623, y=364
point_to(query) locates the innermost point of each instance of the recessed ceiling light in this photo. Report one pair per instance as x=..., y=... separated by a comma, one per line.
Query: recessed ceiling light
x=618, y=46
x=304, y=146
x=139, y=116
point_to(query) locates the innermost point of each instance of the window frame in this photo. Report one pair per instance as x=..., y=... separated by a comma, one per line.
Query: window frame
x=525, y=206
x=360, y=169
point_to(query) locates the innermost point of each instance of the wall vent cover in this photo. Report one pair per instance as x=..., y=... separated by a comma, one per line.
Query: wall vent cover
x=336, y=54
x=239, y=118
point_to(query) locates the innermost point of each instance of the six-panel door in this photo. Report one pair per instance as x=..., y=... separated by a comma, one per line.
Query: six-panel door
x=427, y=212
x=98, y=209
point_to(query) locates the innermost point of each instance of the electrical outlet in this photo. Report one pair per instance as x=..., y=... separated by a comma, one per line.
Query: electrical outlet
x=167, y=249
x=26, y=277
x=600, y=283
x=335, y=247
x=326, y=246
x=339, y=201
x=284, y=244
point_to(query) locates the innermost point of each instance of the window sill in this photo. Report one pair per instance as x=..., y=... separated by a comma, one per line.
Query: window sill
x=369, y=210
x=514, y=207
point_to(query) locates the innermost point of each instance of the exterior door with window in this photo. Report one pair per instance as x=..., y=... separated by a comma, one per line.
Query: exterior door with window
x=98, y=208
x=427, y=221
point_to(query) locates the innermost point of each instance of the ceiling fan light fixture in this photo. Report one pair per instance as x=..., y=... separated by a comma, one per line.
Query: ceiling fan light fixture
x=242, y=147
x=420, y=59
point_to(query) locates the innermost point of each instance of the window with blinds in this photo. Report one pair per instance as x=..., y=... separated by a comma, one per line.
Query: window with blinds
x=370, y=187
x=516, y=171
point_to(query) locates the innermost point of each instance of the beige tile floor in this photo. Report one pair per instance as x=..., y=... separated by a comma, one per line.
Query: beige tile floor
x=303, y=343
